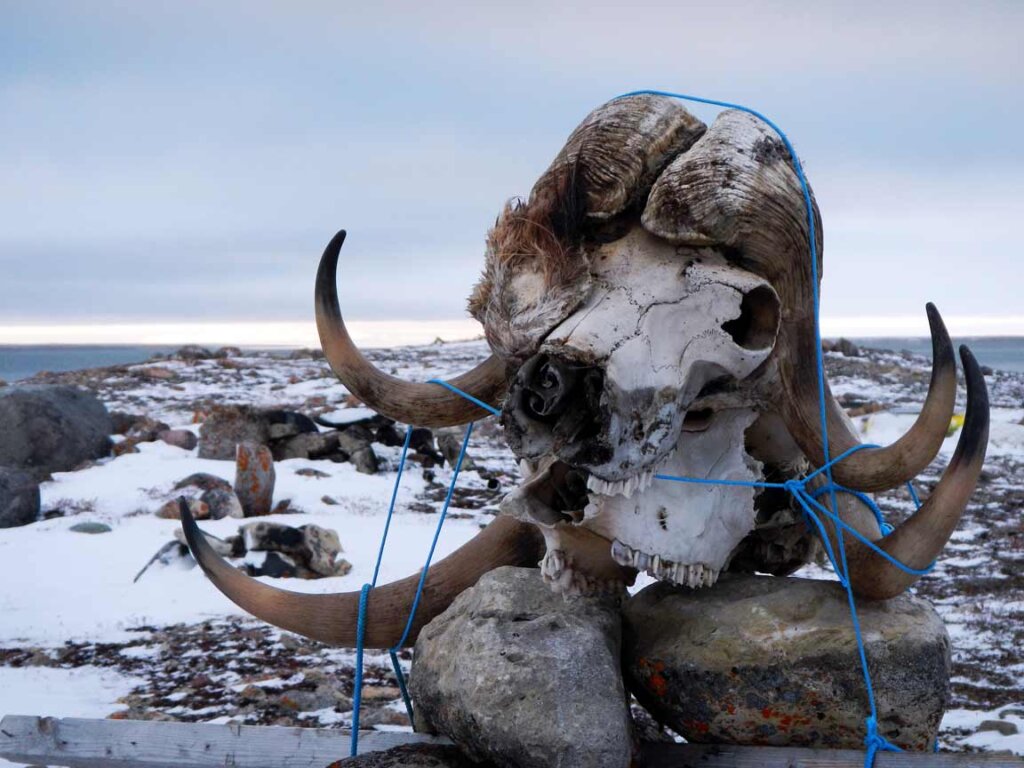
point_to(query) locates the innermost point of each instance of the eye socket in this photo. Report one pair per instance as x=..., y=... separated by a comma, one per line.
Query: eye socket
x=758, y=322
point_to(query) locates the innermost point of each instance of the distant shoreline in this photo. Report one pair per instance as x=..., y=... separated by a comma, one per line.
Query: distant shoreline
x=21, y=361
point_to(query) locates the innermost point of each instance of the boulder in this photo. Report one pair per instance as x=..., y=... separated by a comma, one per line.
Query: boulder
x=763, y=660
x=222, y=503
x=311, y=546
x=305, y=445
x=228, y=425
x=179, y=438
x=254, y=478
x=203, y=481
x=412, y=756
x=553, y=694
x=19, y=498
x=449, y=442
x=51, y=428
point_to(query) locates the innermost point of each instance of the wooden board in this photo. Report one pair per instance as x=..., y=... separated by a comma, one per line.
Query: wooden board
x=715, y=756
x=88, y=743
x=82, y=743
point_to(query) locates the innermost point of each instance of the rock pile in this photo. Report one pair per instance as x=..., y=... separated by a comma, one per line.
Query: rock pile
x=752, y=660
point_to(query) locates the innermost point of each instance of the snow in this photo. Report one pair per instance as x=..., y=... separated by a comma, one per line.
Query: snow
x=61, y=585
x=81, y=692
x=58, y=585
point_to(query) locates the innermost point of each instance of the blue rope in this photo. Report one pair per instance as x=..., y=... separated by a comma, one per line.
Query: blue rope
x=494, y=411
x=873, y=741
x=364, y=594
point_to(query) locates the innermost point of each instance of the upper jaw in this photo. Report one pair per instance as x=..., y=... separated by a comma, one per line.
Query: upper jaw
x=677, y=532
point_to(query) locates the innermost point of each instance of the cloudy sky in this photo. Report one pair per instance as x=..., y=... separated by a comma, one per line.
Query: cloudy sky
x=188, y=161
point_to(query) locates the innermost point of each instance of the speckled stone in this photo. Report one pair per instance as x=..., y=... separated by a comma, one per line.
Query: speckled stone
x=769, y=660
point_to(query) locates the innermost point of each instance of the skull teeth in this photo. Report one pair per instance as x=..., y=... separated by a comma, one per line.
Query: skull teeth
x=627, y=487
x=556, y=569
x=688, y=575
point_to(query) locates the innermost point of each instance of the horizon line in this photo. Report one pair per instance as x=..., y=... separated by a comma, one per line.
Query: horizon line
x=388, y=333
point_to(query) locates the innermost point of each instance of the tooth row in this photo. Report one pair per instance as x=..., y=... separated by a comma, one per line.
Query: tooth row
x=689, y=575
x=559, y=574
x=627, y=487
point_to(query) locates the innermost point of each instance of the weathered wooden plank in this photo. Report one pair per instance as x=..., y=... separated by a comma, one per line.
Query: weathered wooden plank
x=717, y=756
x=88, y=743
x=82, y=743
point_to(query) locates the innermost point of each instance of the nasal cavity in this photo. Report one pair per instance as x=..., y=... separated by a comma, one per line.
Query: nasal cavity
x=758, y=322
x=547, y=384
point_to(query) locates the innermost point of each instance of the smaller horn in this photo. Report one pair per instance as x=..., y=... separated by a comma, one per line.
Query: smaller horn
x=921, y=537
x=425, y=405
x=874, y=469
x=332, y=618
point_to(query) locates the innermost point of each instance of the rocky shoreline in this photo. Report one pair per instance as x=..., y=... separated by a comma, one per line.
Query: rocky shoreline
x=234, y=668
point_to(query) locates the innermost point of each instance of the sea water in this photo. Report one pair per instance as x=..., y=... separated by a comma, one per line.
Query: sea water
x=20, y=362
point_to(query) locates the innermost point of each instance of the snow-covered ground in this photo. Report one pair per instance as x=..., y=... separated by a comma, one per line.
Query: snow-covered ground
x=79, y=637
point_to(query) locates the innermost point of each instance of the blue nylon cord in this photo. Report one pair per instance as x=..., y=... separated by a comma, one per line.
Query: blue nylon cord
x=364, y=594
x=494, y=411
x=873, y=741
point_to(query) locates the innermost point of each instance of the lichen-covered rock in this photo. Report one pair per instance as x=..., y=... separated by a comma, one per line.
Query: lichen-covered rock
x=254, y=478
x=19, y=498
x=516, y=674
x=229, y=425
x=760, y=660
x=51, y=428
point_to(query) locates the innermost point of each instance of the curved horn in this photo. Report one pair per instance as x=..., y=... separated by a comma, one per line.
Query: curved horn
x=736, y=188
x=332, y=618
x=425, y=405
x=871, y=469
x=922, y=536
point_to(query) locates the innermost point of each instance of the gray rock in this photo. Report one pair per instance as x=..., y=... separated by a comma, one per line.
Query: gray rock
x=19, y=498
x=412, y=756
x=222, y=503
x=449, y=442
x=229, y=425
x=121, y=422
x=1002, y=727
x=353, y=440
x=90, y=527
x=306, y=445
x=51, y=428
x=310, y=546
x=146, y=430
x=365, y=461
x=254, y=478
x=281, y=431
x=203, y=481
x=762, y=660
x=513, y=673
x=179, y=438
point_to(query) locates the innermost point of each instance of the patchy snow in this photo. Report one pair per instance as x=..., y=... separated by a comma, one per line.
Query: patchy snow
x=78, y=630
x=81, y=692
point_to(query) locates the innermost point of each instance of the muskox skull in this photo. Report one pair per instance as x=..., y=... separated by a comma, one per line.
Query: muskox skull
x=649, y=309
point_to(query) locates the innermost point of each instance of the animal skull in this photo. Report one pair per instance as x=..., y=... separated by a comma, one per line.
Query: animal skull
x=649, y=309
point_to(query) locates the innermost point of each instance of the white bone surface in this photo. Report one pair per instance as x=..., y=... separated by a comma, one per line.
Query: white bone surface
x=684, y=523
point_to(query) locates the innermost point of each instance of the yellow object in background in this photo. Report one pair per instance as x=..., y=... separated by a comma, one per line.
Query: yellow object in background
x=954, y=424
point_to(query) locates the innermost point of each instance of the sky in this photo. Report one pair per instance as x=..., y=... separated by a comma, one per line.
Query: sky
x=187, y=162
